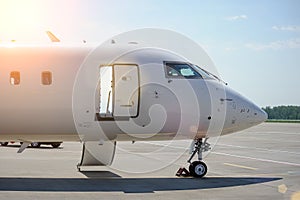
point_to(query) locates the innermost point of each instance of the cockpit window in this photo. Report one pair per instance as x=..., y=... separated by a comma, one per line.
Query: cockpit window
x=181, y=70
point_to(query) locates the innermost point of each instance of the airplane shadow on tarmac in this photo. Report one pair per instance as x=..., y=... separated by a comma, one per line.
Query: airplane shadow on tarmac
x=109, y=182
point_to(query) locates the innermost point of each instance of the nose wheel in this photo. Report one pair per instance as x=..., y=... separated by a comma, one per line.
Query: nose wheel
x=198, y=168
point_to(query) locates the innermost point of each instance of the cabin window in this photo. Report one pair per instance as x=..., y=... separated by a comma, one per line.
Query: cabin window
x=15, y=78
x=46, y=78
x=180, y=70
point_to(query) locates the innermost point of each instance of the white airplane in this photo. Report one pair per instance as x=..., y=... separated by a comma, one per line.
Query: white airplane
x=116, y=93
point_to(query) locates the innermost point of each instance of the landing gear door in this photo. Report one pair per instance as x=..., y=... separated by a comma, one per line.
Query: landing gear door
x=126, y=91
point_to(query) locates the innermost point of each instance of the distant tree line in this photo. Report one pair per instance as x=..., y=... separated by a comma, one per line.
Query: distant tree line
x=283, y=112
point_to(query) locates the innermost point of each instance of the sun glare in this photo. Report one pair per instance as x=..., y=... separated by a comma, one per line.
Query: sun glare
x=27, y=20
x=18, y=18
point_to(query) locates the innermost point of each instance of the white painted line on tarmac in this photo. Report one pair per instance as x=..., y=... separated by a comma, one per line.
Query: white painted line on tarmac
x=259, y=159
x=237, y=156
x=240, y=166
x=166, y=145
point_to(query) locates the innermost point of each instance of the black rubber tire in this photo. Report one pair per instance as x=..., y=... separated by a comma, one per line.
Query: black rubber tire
x=3, y=143
x=56, y=144
x=198, y=169
x=35, y=144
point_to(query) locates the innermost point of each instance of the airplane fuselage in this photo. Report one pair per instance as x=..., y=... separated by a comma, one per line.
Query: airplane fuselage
x=142, y=99
x=33, y=111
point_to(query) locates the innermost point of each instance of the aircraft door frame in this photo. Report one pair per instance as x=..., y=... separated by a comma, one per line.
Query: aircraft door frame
x=123, y=99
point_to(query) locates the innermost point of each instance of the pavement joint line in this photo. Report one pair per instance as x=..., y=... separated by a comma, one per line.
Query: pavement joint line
x=240, y=166
x=268, y=139
x=285, y=133
x=256, y=148
x=259, y=159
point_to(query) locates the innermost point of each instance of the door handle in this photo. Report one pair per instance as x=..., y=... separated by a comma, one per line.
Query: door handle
x=128, y=105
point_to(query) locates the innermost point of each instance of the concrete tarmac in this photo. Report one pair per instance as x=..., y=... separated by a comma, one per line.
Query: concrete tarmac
x=259, y=163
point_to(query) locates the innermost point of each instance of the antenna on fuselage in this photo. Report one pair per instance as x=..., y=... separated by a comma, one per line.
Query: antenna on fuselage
x=52, y=37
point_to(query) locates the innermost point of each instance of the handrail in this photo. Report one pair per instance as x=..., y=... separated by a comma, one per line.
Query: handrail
x=108, y=101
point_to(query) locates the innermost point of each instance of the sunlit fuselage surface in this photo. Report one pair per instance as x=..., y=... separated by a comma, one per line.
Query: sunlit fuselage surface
x=143, y=95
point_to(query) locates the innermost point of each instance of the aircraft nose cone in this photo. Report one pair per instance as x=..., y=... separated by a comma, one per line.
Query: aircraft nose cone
x=243, y=112
x=255, y=116
x=260, y=115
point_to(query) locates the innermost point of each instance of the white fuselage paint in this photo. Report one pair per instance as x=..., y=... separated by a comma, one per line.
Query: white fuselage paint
x=31, y=111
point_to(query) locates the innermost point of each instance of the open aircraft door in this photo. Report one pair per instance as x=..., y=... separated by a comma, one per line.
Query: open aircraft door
x=119, y=91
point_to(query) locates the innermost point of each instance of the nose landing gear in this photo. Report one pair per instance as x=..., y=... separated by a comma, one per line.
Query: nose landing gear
x=198, y=168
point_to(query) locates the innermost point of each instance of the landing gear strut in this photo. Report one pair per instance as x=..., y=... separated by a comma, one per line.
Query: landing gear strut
x=198, y=168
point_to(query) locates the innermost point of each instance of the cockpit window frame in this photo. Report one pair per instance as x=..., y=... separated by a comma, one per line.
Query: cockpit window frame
x=167, y=63
x=205, y=74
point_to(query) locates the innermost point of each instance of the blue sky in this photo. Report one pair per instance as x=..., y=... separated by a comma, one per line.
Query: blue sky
x=254, y=44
